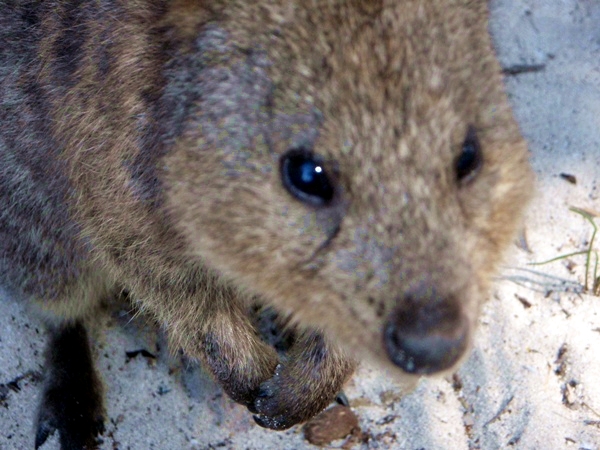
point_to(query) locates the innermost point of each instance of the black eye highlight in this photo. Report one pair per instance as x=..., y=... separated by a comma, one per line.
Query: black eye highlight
x=470, y=160
x=304, y=176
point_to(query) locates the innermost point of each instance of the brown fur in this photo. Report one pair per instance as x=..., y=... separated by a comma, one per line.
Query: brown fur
x=161, y=125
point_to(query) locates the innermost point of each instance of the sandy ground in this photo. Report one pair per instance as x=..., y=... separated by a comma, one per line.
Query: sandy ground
x=533, y=379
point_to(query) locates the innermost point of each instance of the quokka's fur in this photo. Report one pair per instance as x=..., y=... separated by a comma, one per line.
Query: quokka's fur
x=141, y=149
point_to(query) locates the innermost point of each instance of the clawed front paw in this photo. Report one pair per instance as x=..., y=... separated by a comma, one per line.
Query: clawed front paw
x=280, y=404
x=289, y=398
x=281, y=388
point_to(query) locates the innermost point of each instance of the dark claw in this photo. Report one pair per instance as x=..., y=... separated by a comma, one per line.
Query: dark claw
x=99, y=427
x=44, y=430
x=252, y=408
x=342, y=399
x=261, y=420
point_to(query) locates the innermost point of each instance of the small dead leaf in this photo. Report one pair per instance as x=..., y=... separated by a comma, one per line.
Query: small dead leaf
x=568, y=177
x=526, y=304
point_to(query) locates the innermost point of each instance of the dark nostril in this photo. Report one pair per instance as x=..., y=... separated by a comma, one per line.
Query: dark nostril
x=424, y=354
x=426, y=337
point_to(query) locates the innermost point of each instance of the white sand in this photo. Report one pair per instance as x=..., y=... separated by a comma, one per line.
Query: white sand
x=513, y=395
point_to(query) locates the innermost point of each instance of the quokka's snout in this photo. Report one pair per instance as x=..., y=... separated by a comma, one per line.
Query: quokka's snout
x=428, y=333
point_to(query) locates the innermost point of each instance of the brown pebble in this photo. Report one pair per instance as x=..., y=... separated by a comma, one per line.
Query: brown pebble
x=333, y=423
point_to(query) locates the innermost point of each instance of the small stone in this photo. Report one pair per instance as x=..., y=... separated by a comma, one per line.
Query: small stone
x=333, y=423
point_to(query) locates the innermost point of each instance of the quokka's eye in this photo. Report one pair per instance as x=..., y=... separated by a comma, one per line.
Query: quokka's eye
x=470, y=160
x=305, y=177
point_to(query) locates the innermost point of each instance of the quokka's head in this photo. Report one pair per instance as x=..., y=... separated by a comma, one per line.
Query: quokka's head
x=357, y=167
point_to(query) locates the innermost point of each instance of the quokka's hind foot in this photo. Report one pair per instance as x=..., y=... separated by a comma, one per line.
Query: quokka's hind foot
x=72, y=400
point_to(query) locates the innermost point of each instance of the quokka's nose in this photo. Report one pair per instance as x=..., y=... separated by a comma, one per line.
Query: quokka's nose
x=427, y=333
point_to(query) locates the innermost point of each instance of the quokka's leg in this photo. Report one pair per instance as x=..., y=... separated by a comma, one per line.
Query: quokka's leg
x=72, y=398
x=284, y=389
x=308, y=378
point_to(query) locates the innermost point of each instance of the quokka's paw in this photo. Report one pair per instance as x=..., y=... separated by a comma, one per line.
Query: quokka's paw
x=72, y=400
x=302, y=386
x=76, y=432
x=282, y=402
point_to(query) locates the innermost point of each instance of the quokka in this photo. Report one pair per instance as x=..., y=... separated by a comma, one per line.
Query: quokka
x=353, y=165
